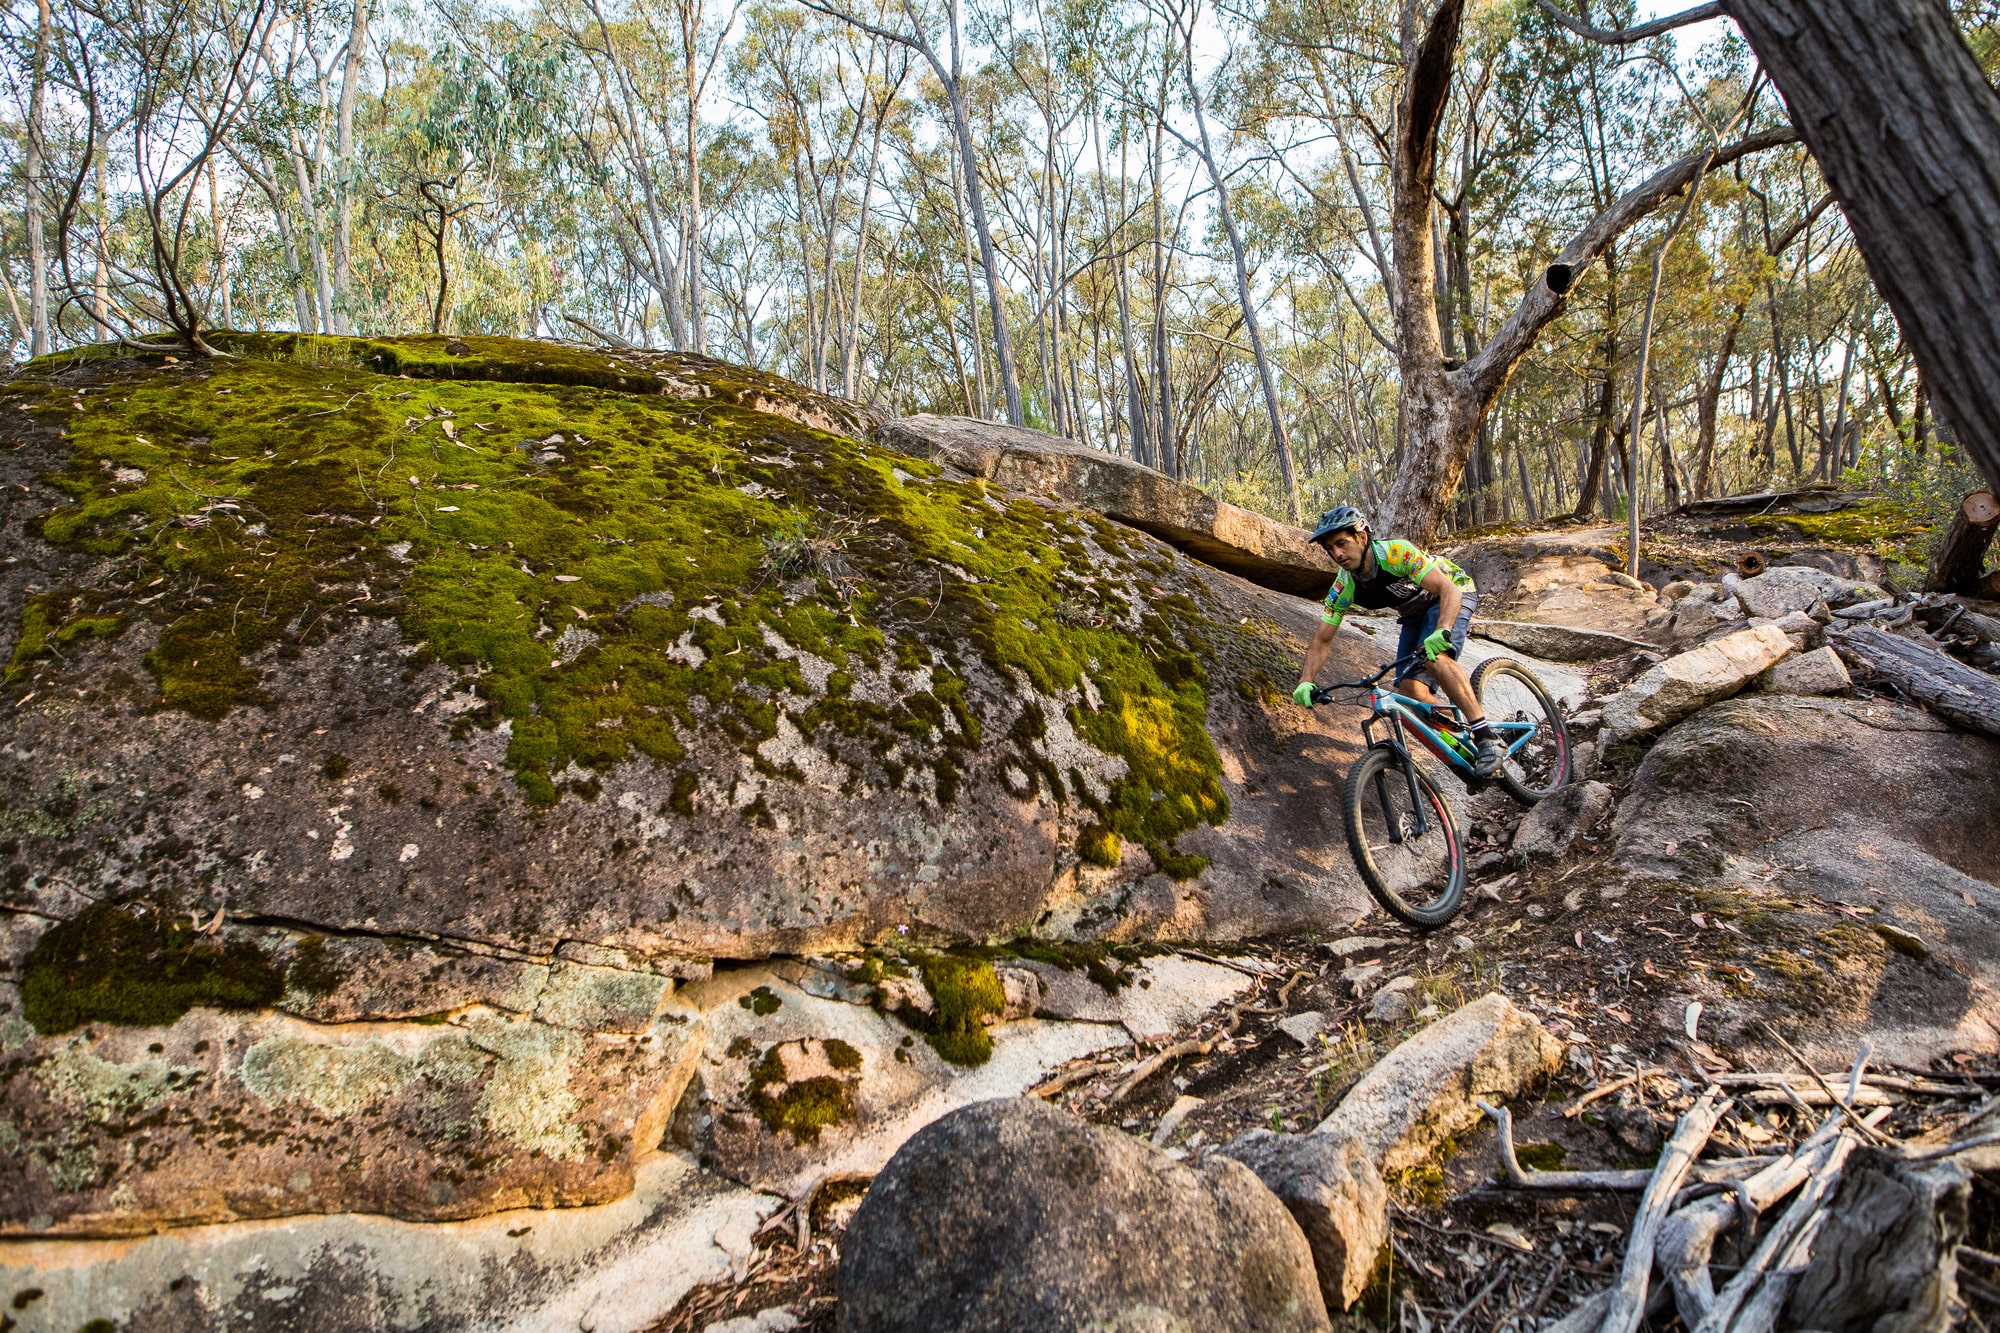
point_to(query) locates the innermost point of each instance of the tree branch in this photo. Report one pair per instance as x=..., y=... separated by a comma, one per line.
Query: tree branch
x=1487, y=372
x=1638, y=32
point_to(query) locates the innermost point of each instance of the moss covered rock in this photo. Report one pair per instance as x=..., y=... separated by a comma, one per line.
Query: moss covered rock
x=526, y=646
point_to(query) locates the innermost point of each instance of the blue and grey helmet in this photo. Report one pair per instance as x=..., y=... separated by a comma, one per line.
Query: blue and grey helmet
x=1340, y=518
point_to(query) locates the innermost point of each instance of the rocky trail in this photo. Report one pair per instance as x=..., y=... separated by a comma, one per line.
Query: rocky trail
x=498, y=835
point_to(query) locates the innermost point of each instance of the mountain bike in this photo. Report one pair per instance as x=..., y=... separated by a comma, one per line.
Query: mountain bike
x=1399, y=826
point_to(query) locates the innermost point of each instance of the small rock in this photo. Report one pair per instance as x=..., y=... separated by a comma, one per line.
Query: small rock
x=1462, y=943
x=775, y=1320
x=1354, y=944
x=1626, y=581
x=1903, y=941
x=1302, y=1028
x=1426, y=1090
x=1011, y=1214
x=1587, y=720
x=1557, y=821
x=1023, y=990
x=1171, y=1121
x=1555, y=643
x=1583, y=760
x=1393, y=1001
x=1678, y=589
x=1336, y=1196
x=1358, y=975
x=1818, y=672
x=905, y=993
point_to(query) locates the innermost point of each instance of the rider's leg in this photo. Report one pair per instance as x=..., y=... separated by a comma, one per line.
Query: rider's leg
x=1457, y=684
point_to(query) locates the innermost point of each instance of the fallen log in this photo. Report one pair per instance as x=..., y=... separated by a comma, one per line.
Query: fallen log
x=1954, y=691
x=1962, y=556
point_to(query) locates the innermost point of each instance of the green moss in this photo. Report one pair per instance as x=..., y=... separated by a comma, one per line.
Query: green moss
x=1887, y=527
x=312, y=971
x=801, y=1109
x=596, y=561
x=842, y=1056
x=1423, y=1184
x=761, y=1002
x=1176, y=865
x=107, y=965
x=1541, y=1156
x=1099, y=846
x=1093, y=957
x=965, y=992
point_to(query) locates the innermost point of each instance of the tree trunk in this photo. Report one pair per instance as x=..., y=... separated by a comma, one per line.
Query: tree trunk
x=1906, y=130
x=1442, y=408
x=31, y=213
x=1708, y=402
x=343, y=258
x=1962, y=557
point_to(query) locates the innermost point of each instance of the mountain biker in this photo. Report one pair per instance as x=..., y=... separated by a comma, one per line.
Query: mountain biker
x=1432, y=597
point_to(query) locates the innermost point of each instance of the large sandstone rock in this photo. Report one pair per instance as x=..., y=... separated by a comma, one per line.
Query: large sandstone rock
x=1687, y=682
x=1866, y=803
x=617, y=1267
x=1012, y=1215
x=1558, y=643
x=1263, y=550
x=737, y=687
x=1558, y=820
x=1427, y=1089
x=794, y=1085
x=1336, y=1196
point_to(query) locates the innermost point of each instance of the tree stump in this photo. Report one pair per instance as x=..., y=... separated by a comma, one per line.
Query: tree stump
x=1885, y=1260
x=1963, y=555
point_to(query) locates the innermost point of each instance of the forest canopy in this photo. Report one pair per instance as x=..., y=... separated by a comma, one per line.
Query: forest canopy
x=1163, y=228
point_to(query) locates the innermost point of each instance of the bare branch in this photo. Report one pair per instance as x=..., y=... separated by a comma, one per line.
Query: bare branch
x=1638, y=32
x=1487, y=372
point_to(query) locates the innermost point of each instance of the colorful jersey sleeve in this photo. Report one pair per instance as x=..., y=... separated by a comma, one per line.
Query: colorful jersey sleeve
x=1338, y=598
x=1400, y=559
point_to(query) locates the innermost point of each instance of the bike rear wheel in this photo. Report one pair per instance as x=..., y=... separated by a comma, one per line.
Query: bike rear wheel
x=1418, y=878
x=1509, y=692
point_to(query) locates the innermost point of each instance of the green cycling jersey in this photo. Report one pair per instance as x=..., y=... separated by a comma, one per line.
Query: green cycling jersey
x=1391, y=577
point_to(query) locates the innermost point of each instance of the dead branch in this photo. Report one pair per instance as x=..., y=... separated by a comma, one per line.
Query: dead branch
x=1628, y=1300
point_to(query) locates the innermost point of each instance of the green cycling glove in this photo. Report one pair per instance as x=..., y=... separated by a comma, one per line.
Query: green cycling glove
x=1303, y=695
x=1437, y=645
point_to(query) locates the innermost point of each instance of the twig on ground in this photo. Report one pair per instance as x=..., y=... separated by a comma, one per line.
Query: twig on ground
x=1606, y=1089
x=1869, y=1131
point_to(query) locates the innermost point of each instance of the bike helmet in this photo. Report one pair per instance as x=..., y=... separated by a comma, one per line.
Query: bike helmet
x=1340, y=518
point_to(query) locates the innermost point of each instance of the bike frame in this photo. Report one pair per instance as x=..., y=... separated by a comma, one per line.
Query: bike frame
x=1399, y=713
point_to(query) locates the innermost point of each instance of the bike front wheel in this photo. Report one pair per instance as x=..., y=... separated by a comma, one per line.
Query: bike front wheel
x=1417, y=876
x=1514, y=699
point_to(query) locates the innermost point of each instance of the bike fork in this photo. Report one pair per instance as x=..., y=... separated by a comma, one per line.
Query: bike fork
x=1422, y=823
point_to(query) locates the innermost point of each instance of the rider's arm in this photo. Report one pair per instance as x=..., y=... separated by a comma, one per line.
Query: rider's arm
x=1450, y=597
x=1316, y=652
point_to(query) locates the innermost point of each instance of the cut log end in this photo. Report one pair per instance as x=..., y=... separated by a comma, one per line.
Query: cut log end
x=1962, y=556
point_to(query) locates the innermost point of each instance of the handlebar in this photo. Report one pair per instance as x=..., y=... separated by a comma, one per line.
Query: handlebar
x=1324, y=693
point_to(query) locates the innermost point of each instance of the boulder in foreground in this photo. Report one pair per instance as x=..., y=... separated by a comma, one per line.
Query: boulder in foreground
x=1428, y=1089
x=1013, y=1215
x=1335, y=1195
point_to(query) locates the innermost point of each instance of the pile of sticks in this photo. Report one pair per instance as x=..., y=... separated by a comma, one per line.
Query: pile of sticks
x=1846, y=1225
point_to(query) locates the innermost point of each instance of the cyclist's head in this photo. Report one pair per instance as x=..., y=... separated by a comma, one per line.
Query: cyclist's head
x=1343, y=533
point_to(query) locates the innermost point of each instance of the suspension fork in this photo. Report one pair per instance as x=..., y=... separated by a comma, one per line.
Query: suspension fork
x=1401, y=747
